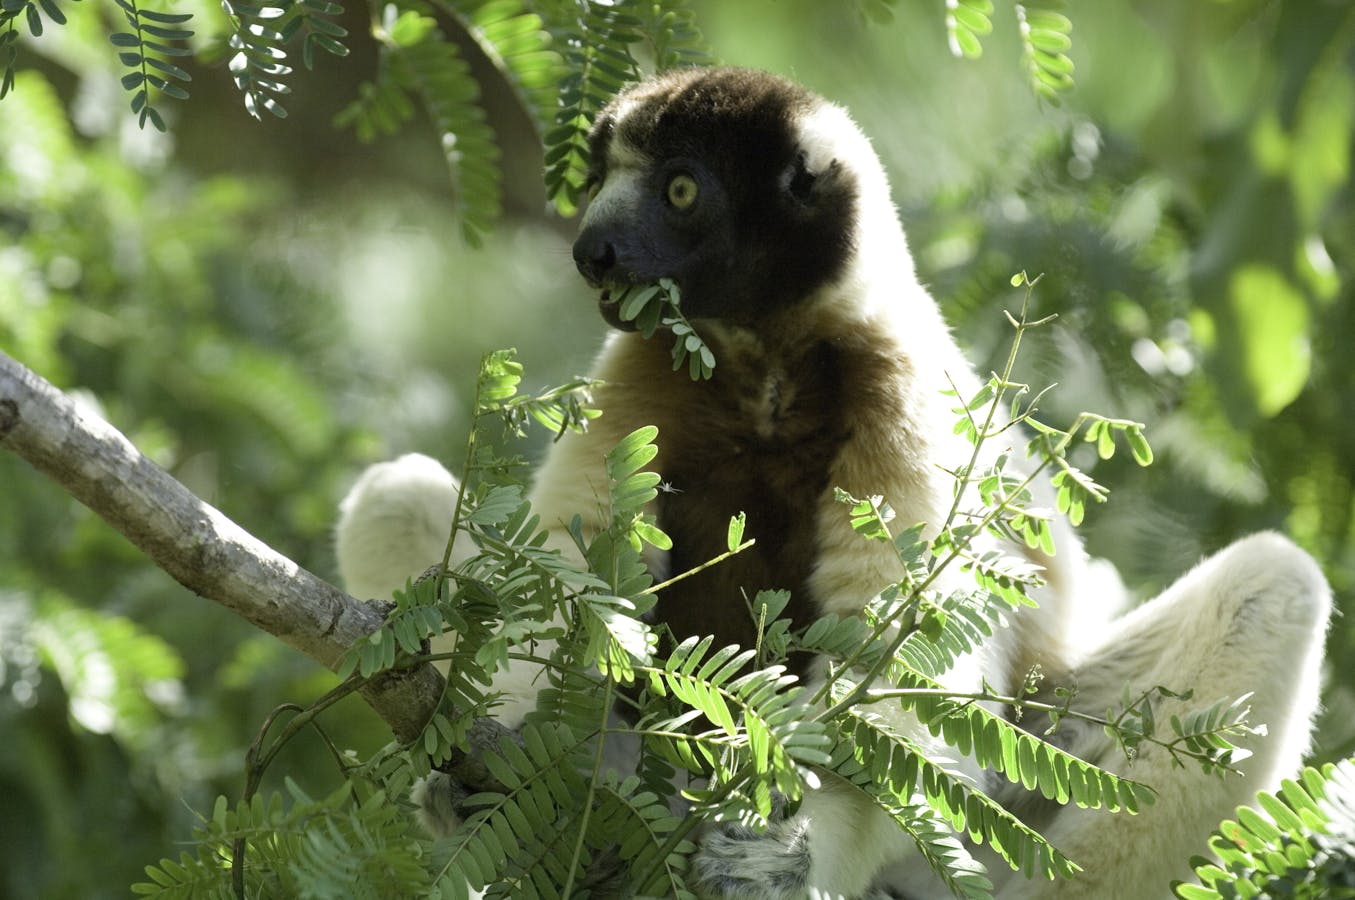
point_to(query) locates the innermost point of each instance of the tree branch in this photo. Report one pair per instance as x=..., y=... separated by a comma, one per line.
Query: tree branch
x=195, y=543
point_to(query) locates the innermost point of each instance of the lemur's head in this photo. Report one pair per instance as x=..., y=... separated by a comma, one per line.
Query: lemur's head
x=738, y=185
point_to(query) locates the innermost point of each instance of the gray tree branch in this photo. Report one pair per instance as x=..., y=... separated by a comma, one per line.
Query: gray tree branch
x=196, y=544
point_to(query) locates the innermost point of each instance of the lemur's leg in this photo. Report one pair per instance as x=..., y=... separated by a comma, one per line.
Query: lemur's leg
x=833, y=847
x=1250, y=619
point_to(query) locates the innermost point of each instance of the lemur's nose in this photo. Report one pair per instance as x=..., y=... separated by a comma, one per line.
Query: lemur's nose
x=595, y=256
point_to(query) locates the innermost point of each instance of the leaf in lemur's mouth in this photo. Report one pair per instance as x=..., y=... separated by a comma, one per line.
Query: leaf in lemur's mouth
x=643, y=304
x=608, y=304
x=646, y=307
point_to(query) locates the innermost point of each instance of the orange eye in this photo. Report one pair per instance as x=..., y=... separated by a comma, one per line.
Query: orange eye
x=682, y=191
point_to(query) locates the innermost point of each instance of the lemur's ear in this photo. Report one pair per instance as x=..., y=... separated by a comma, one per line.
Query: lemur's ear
x=805, y=183
x=799, y=180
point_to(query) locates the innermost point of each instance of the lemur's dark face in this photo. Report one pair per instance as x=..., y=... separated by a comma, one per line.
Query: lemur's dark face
x=700, y=176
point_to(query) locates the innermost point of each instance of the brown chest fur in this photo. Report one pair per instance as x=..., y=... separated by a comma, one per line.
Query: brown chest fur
x=761, y=437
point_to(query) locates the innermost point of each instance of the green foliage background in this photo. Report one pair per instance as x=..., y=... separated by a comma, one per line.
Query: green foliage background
x=265, y=307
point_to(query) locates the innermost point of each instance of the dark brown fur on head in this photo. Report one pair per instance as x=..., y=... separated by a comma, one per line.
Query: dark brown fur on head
x=765, y=231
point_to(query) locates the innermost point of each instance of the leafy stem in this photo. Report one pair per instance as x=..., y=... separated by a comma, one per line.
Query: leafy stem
x=1064, y=710
x=887, y=658
x=541, y=769
x=958, y=548
x=654, y=589
x=257, y=759
x=608, y=689
x=690, y=822
x=1003, y=384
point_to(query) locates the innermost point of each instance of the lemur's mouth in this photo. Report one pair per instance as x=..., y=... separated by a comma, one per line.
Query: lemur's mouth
x=609, y=304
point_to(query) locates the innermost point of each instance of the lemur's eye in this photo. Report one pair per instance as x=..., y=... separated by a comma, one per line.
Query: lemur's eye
x=682, y=191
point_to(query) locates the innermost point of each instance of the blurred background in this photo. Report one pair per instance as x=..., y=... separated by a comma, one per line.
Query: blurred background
x=264, y=308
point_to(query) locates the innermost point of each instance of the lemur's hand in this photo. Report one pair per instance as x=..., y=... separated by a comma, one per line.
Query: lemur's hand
x=441, y=797
x=737, y=861
x=442, y=800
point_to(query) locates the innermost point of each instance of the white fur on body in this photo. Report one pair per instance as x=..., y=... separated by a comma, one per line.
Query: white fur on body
x=1248, y=619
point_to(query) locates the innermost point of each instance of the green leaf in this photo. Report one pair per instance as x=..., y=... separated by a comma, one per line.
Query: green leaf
x=972, y=19
x=53, y=11
x=411, y=28
x=965, y=43
x=1050, y=41
x=634, y=300
x=1105, y=442
x=163, y=17
x=169, y=69
x=900, y=767
x=599, y=62
x=651, y=534
x=168, y=34
x=439, y=76
x=633, y=453
x=1138, y=446
x=1273, y=323
x=734, y=535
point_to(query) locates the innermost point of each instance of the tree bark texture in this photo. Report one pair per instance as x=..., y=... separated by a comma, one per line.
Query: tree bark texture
x=195, y=543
